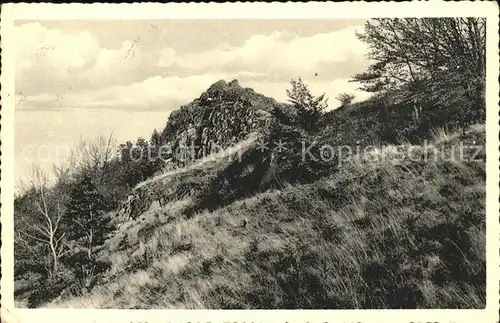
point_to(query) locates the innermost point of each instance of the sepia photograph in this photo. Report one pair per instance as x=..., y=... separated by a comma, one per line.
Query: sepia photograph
x=250, y=163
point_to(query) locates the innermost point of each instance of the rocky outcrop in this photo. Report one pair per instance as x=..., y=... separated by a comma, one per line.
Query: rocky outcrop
x=223, y=115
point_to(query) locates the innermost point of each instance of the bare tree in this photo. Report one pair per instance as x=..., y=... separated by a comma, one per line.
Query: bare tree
x=44, y=224
x=93, y=154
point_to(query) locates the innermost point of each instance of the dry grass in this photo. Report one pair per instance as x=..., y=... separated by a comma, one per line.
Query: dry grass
x=374, y=235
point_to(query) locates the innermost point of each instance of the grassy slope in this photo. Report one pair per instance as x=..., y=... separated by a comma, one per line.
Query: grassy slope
x=373, y=235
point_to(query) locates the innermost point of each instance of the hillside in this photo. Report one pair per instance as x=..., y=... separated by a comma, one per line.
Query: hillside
x=378, y=233
x=238, y=222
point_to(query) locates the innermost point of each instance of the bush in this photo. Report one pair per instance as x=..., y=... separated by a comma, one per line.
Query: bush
x=49, y=288
x=308, y=107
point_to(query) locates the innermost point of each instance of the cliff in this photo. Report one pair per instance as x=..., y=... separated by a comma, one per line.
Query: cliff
x=222, y=116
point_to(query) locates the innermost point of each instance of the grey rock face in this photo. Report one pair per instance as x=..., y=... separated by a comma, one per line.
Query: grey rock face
x=220, y=117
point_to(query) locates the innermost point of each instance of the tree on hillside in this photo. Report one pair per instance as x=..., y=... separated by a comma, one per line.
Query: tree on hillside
x=155, y=140
x=40, y=220
x=309, y=107
x=99, y=158
x=88, y=226
x=345, y=99
x=413, y=49
x=61, y=225
x=140, y=160
x=92, y=154
x=157, y=152
x=144, y=158
x=437, y=65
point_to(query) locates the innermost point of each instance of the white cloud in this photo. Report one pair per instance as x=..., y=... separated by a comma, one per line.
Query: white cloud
x=152, y=92
x=161, y=92
x=48, y=60
x=47, y=53
x=71, y=70
x=112, y=64
x=279, y=52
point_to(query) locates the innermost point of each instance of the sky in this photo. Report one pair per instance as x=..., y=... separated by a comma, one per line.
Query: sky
x=82, y=78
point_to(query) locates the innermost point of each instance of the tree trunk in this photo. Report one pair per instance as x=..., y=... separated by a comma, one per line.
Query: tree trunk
x=54, y=256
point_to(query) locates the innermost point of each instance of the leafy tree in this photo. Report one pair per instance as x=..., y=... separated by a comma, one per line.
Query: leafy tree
x=88, y=226
x=145, y=158
x=124, y=150
x=155, y=140
x=345, y=99
x=409, y=50
x=140, y=160
x=437, y=65
x=309, y=108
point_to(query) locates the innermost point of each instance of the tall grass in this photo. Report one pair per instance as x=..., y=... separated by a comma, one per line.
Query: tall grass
x=373, y=235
